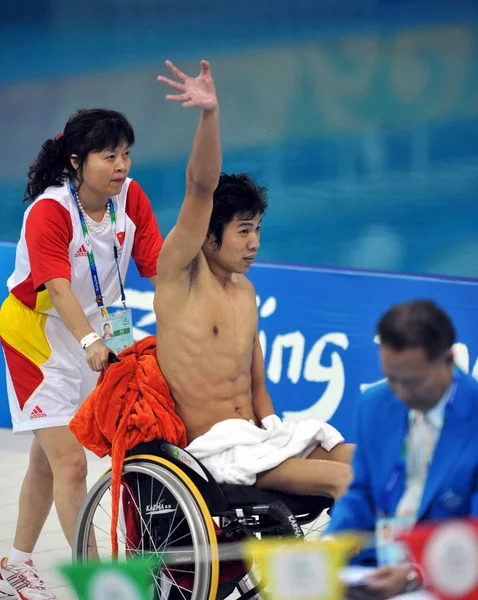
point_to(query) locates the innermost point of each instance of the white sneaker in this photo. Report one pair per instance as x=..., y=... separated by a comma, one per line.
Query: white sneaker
x=6, y=590
x=25, y=581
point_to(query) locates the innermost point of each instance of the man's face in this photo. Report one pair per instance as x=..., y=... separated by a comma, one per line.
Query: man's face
x=417, y=381
x=240, y=243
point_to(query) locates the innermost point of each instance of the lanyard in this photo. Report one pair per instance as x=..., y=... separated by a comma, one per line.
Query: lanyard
x=91, y=256
x=399, y=469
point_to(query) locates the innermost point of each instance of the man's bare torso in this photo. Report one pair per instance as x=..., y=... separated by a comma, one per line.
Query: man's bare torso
x=205, y=338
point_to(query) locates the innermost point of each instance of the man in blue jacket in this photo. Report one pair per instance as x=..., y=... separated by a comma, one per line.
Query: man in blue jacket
x=417, y=443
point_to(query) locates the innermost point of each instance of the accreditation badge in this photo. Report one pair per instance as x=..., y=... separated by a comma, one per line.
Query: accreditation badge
x=116, y=330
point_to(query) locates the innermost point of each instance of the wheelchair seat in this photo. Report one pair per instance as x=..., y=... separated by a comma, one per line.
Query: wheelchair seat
x=240, y=496
x=222, y=498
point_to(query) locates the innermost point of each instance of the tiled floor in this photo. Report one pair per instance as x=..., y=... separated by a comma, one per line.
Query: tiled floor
x=52, y=549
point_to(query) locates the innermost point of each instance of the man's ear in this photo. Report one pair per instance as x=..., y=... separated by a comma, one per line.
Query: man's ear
x=75, y=161
x=449, y=357
x=211, y=241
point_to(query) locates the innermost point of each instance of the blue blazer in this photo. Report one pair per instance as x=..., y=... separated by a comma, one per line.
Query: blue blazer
x=451, y=488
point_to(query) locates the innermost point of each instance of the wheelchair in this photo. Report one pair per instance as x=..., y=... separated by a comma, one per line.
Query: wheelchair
x=192, y=529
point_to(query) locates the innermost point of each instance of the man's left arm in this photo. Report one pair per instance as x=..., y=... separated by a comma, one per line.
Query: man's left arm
x=261, y=401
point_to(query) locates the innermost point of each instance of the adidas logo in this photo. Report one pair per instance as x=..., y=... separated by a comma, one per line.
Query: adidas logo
x=81, y=251
x=37, y=413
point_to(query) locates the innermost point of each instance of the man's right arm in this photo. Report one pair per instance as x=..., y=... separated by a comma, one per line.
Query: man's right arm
x=185, y=240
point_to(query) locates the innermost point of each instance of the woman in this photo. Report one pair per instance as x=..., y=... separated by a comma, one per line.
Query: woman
x=107, y=333
x=86, y=221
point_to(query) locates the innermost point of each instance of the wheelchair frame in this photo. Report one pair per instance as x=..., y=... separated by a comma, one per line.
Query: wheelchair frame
x=240, y=511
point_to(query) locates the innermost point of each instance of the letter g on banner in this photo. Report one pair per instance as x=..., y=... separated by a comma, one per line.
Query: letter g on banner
x=325, y=406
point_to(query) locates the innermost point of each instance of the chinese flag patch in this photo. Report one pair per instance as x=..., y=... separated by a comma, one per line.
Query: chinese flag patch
x=120, y=236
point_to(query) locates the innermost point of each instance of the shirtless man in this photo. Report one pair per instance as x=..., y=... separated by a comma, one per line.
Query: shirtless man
x=207, y=342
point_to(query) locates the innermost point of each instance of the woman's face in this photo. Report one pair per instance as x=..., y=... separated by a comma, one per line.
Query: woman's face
x=104, y=173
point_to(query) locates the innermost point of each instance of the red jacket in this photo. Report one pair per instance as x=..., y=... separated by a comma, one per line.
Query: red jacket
x=130, y=404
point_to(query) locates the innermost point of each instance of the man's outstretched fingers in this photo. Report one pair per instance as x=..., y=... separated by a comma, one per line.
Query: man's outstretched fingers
x=173, y=84
x=175, y=71
x=177, y=97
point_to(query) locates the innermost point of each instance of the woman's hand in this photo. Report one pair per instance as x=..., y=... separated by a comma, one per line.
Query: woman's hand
x=97, y=356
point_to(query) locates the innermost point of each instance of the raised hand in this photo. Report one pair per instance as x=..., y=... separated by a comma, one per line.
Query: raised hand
x=193, y=91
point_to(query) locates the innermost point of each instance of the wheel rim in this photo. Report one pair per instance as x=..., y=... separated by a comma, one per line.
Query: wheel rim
x=203, y=544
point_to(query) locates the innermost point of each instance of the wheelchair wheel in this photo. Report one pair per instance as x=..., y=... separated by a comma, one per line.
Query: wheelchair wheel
x=163, y=518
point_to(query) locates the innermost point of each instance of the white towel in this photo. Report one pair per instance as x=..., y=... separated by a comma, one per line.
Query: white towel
x=236, y=451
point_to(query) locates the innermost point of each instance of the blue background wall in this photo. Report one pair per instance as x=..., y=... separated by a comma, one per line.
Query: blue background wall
x=360, y=115
x=317, y=331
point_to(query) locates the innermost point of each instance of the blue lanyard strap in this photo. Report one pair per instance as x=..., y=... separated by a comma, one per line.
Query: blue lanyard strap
x=400, y=468
x=90, y=254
